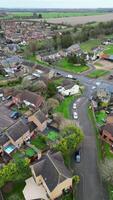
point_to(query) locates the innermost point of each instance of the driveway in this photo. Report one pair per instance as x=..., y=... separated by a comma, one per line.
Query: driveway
x=90, y=187
x=34, y=191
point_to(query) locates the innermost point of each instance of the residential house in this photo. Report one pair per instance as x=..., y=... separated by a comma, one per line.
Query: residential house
x=19, y=133
x=107, y=130
x=51, y=174
x=39, y=119
x=103, y=94
x=29, y=99
x=107, y=133
x=69, y=90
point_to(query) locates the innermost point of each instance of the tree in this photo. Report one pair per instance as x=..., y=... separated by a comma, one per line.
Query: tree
x=33, y=47
x=106, y=169
x=14, y=171
x=39, y=86
x=26, y=83
x=72, y=137
x=51, y=90
x=40, y=16
x=52, y=104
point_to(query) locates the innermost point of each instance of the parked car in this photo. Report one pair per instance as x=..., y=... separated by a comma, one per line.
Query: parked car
x=69, y=76
x=15, y=115
x=110, y=77
x=9, y=97
x=77, y=156
x=74, y=106
x=75, y=115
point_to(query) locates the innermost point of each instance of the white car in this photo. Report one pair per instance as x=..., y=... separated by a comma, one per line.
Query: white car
x=69, y=76
x=75, y=115
x=94, y=87
x=98, y=83
x=74, y=106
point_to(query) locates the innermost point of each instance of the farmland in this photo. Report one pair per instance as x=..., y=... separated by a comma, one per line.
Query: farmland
x=55, y=14
x=82, y=19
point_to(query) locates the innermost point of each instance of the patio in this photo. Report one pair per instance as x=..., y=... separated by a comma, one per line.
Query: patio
x=34, y=191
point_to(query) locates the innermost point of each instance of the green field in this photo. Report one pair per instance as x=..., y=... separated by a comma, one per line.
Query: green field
x=90, y=44
x=109, y=50
x=97, y=73
x=53, y=14
x=64, y=64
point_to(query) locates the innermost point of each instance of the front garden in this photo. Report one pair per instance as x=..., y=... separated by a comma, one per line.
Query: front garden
x=101, y=117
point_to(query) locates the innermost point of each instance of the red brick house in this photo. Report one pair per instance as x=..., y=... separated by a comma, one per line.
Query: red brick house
x=107, y=133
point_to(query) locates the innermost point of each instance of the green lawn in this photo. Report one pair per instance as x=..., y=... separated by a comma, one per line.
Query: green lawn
x=101, y=117
x=109, y=50
x=52, y=135
x=18, y=155
x=39, y=142
x=98, y=142
x=64, y=106
x=58, y=81
x=108, y=154
x=30, y=152
x=90, y=44
x=97, y=73
x=64, y=64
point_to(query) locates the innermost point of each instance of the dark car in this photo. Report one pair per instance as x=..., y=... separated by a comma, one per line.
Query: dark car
x=15, y=115
x=77, y=156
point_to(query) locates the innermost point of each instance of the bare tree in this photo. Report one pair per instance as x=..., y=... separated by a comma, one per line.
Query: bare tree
x=106, y=169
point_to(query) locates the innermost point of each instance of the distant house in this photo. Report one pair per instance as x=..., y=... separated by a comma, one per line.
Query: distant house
x=39, y=119
x=103, y=94
x=69, y=90
x=107, y=57
x=51, y=178
x=29, y=99
x=75, y=48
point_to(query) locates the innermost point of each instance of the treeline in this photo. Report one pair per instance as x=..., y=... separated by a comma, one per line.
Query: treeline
x=82, y=34
x=88, y=32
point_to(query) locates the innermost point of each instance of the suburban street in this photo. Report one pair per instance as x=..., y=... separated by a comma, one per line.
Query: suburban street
x=88, y=167
x=90, y=186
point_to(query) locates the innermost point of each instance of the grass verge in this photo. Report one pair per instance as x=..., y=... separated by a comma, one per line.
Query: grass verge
x=97, y=73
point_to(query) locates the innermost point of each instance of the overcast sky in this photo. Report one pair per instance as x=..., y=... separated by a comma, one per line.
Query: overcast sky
x=56, y=3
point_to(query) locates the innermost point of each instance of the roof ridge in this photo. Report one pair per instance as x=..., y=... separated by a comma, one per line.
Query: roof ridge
x=56, y=167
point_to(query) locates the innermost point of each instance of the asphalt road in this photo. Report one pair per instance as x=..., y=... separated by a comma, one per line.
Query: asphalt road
x=90, y=186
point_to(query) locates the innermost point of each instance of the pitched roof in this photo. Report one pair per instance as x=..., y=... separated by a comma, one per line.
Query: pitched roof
x=40, y=116
x=109, y=128
x=3, y=139
x=52, y=169
x=17, y=130
x=30, y=97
